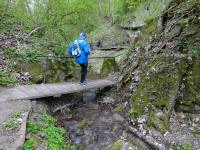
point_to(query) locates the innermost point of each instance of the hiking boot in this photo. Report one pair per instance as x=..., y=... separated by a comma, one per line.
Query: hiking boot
x=86, y=81
x=83, y=83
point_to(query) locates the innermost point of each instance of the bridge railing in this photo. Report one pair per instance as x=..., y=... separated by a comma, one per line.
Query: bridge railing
x=49, y=56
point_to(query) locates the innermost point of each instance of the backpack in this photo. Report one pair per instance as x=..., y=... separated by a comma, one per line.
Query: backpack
x=76, y=50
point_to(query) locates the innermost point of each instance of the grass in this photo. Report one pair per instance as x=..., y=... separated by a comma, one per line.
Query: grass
x=14, y=121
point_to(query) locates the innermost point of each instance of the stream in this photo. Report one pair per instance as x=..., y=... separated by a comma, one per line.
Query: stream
x=91, y=123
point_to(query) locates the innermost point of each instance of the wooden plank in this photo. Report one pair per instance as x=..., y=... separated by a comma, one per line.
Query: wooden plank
x=46, y=90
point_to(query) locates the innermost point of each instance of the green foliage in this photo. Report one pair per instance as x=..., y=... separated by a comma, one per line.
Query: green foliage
x=134, y=3
x=14, y=121
x=59, y=22
x=28, y=54
x=30, y=144
x=5, y=79
x=133, y=112
x=49, y=120
x=10, y=50
x=74, y=147
x=32, y=127
x=186, y=147
x=54, y=136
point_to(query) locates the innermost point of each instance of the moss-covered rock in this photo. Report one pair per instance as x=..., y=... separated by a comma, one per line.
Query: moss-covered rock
x=108, y=35
x=158, y=120
x=191, y=92
x=36, y=71
x=109, y=66
x=117, y=145
x=159, y=84
x=56, y=71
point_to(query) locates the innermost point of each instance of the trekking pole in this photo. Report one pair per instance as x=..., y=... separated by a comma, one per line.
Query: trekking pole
x=45, y=69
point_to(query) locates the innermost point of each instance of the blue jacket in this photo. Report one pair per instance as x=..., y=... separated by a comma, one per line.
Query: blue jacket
x=85, y=50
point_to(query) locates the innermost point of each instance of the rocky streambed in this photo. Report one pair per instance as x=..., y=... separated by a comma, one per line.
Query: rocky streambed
x=98, y=121
x=93, y=124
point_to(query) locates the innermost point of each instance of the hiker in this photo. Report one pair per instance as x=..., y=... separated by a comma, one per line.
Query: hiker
x=80, y=49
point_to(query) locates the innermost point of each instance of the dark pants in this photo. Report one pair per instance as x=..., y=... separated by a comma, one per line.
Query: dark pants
x=83, y=71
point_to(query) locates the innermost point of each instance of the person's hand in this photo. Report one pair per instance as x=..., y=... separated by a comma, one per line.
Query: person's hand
x=65, y=54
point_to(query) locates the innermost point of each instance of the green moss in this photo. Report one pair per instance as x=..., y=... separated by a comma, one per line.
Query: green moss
x=151, y=119
x=161, y=84
x=117, y=145
x=109, y=65
x=36, y=71
x=192, y=94
x=161, y=123
x=150, y=29
x=84, y=123
x=118, y=108
x=56, y=71
x=163, y=126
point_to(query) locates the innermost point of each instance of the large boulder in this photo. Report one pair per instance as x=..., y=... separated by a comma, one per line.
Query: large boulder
x=53, y=71
x=134, y=25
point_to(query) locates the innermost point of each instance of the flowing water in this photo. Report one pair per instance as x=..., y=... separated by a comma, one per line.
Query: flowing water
x=92, y=125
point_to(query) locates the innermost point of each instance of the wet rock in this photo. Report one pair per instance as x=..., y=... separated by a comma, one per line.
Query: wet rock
x=175, y=31
x=90, y=137
x=152, y=98
x=108, y=100
x=106, y=119
x=196, y=119
x=118, y=117
x=142, y=119
x=160, y=24
x=89, y=97
x=155, y=133
x=41, y=134
x=124, y=134
x=136, y=79
x=160, y=121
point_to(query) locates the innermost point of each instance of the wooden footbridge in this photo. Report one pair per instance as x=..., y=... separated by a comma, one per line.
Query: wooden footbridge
x=46, y=90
